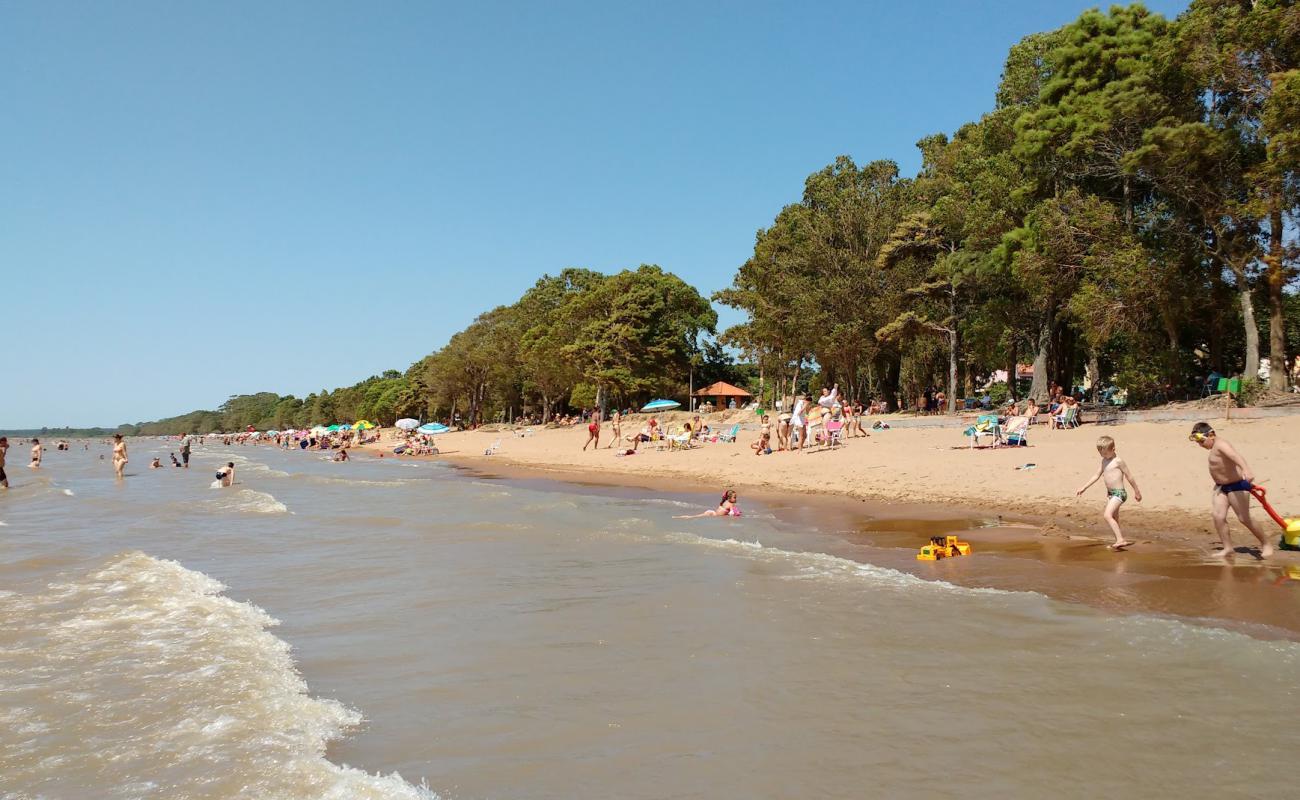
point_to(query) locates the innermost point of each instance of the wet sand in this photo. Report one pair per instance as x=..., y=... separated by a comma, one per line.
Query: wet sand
x=1054, y=546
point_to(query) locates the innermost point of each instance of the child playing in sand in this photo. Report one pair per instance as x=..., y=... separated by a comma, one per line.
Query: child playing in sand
x=1232, y=482
x=726, y=508
x=1113, y=472
x=764, y=444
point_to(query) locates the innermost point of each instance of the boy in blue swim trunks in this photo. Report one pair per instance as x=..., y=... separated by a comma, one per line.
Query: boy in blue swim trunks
x=1113, y=472
x=1232, y=482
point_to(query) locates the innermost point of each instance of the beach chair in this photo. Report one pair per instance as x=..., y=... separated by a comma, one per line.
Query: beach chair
x=491, y=451
x=683, y=440
x=1015, y=433
x=1070, y=419
x=834, y=433
x=985, y=425
x=730, y=436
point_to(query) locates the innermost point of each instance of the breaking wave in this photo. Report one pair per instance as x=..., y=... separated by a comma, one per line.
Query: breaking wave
x=141, y=679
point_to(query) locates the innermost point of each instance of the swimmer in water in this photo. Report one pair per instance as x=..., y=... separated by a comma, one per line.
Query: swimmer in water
x=156, y=463
x=227, y=474
x=36, y=454
x=119, y=455
x=726, y=508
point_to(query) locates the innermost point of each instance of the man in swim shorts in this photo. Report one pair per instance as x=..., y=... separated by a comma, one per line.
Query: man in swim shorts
x=4, y=447
x=1233, y=479
x=36, y=453
x=185, y=450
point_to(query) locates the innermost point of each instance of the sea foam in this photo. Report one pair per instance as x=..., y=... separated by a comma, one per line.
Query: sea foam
x=142, y=678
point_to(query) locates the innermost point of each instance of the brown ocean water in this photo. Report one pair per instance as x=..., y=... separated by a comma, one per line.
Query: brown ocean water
x=387, y=629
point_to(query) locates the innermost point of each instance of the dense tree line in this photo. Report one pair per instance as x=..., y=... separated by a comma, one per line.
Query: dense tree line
x=575, y=340
x=1126, y=212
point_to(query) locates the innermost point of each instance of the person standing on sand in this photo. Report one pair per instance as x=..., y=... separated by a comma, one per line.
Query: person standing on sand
x=119, y=455
x=593, y=431
x=616, y=422
x=798, y=423
x=1232, y=483
x=36, y=454
x=1113, y=472
x=4, y=448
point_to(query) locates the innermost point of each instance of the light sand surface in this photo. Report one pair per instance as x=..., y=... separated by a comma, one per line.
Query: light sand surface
x=936, y=466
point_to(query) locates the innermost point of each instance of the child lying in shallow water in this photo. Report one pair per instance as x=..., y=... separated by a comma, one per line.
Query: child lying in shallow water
x=726, y=508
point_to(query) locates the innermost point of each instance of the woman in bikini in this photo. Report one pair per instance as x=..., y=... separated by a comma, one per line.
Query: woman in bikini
x=593, y=431
x=119, y=455
x=616, y=422
x=726, y=508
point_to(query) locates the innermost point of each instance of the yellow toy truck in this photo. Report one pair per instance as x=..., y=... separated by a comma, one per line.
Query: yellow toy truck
x=943, y=547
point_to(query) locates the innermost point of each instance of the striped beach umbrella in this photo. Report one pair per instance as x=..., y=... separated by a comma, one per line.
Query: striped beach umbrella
x=661, y=405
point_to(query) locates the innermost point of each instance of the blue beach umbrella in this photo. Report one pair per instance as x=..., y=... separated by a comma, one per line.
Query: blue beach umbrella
x=661, y=405
x=433, y=427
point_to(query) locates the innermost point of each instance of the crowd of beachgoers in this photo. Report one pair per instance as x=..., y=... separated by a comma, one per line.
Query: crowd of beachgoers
x=801, y=424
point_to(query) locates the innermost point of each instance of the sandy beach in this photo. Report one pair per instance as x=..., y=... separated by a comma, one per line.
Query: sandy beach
x=883, y=489
x=935, y=466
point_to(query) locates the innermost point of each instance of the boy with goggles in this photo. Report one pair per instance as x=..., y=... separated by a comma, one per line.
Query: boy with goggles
x=1232, y=481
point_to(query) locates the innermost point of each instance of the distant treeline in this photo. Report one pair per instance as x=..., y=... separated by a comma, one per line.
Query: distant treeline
x=62, y=433
x=574, y=340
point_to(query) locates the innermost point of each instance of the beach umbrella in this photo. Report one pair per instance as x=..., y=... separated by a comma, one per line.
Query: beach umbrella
x=318, y=429
x=363, y=425
x=271, y=431
x=408, y=424
x=433, y=427
x=345, y=427
x=332, y=428
x=661, y=405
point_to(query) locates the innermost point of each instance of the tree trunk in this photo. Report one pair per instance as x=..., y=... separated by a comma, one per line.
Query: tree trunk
x=1094, y=374
x=893, y=370
x=1038, y=389
x=1013, y=355
x=1277, y=362
x=1248, y=321
x=953, y=344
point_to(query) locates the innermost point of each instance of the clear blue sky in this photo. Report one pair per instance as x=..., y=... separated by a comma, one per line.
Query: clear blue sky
x=204, y=199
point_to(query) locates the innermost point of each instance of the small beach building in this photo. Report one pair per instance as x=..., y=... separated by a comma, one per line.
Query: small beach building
x=721, y=393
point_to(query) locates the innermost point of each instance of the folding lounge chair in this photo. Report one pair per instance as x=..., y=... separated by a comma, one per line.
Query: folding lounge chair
x=985, y=425
x=730, y=436
x=1070, y=419
x=1016, y=432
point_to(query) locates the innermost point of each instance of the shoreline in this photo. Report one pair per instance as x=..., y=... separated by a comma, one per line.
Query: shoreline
x=1054, y=548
